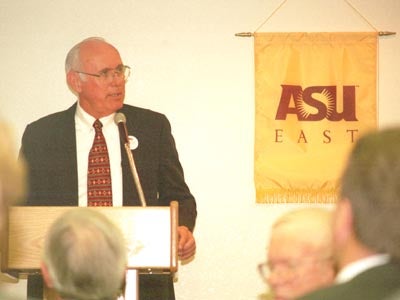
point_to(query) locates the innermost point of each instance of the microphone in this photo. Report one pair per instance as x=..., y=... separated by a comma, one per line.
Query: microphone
x=120, y=120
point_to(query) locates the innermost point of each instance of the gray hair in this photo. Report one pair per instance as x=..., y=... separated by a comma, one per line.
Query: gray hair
x=313, y=225
x=85, y=254
x=371, y=183
x=72, y=61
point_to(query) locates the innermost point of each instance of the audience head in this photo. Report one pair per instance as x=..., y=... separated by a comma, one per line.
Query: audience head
x=12, y=172
x=367, y=214
x=84, y=256
x=299, y=253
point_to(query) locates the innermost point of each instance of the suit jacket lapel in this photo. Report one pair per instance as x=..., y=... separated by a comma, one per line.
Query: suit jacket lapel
x=68, y=136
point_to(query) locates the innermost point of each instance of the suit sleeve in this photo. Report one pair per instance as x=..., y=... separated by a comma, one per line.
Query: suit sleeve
x=172, y=185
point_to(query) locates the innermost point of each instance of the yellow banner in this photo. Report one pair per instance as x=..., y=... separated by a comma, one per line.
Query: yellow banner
x=315, y=95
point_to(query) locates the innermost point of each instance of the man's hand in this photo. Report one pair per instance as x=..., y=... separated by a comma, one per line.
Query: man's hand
x=186, y=243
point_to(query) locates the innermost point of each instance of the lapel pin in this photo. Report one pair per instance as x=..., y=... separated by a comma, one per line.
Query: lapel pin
x=133, y=142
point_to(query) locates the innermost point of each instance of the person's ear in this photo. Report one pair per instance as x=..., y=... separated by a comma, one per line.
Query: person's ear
x=74, y=81
x=46, y=275
x=343, y=221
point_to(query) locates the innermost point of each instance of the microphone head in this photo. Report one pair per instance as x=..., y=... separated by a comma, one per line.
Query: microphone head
x=119, y=117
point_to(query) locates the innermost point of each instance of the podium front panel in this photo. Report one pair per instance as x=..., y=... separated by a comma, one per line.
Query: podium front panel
x=150, y=234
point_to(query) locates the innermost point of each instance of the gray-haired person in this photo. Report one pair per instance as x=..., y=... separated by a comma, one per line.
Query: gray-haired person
x=84, y=256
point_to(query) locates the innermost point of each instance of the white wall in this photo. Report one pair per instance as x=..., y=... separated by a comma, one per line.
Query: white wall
x=188, y=64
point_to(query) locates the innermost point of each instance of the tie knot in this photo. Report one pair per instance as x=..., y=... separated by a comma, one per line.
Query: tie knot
x=97, y=125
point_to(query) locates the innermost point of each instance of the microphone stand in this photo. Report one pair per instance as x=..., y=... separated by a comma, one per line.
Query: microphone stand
x=135, y=173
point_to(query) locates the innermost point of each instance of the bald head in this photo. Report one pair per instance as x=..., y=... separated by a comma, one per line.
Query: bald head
x=93, y=72
x=80, y=52
x=310, y=226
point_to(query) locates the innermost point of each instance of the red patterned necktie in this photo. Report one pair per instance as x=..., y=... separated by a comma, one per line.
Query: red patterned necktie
x=99, y=190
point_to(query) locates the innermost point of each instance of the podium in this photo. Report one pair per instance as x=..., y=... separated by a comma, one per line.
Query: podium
x=150, y=232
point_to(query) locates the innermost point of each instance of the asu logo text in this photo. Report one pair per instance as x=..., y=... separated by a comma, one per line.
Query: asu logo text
x=316, y=103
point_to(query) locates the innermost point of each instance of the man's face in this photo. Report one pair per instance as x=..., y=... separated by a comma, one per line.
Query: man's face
x=97, y=96
x=296, y=268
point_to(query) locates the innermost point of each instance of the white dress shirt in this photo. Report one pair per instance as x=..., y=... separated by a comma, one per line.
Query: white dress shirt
x=352, y=270
x=84, y=141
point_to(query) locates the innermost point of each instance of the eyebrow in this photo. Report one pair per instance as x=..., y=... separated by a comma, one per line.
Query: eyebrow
x=107, y=69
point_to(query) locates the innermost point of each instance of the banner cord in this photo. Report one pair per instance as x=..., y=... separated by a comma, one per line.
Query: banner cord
x=250, y=34
x=270, y=16
x=360, y=14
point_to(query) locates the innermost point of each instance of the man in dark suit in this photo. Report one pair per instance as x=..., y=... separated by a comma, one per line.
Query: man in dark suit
x=366, y=222
x=56, y=149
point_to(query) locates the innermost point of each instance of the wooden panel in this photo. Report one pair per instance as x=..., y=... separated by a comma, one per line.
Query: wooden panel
x=151, y=235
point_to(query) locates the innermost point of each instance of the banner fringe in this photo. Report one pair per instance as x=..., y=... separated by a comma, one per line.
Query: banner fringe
x=297, y=196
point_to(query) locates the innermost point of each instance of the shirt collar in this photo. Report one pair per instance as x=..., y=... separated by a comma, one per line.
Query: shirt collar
x=87, y=120
x=352, y=270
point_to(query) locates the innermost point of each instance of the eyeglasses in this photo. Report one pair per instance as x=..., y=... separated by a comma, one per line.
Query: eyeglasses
x=289, y=268
x=107, y=75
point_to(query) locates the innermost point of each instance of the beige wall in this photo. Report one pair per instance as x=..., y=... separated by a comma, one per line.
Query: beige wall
x=188, y=64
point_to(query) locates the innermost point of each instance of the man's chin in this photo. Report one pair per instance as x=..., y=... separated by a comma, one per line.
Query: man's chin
x=117, y=104
x=115, y=99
